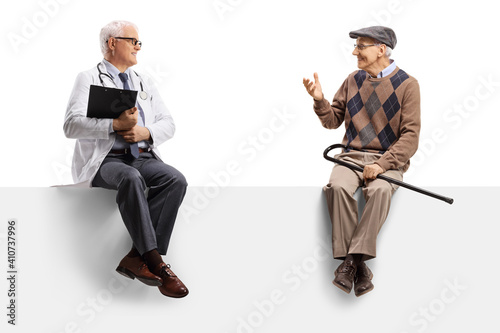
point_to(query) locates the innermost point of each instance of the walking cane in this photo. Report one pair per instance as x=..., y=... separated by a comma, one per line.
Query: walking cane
x=388, y=179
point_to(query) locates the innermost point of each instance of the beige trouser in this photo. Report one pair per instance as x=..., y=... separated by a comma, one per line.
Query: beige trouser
x=349, y=236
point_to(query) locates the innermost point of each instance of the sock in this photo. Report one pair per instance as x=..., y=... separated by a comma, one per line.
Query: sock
x=356, y=258
x=152, y=258
x=133, y=253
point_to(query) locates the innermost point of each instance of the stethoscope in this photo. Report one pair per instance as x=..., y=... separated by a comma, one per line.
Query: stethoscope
x=142, y=94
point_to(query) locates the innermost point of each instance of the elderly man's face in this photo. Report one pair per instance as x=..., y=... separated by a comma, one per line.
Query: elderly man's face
x=366, y=56
x=125, y=53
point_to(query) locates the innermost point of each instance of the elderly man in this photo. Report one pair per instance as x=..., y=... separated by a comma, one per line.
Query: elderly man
x=380, y=105
x=121, y=154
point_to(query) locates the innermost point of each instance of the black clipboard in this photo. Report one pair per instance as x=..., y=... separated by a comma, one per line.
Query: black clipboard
x=107, y=102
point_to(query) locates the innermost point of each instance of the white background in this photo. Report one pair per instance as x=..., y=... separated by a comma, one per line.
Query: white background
x=224, y=73
x=225, y=76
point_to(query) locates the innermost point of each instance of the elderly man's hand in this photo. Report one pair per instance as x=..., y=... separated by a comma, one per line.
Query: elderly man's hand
x=136, y=134
x=371, y=171
x=126, y=120
x=313, y=88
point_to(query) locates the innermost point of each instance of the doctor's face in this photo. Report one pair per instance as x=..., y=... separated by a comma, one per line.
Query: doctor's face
x=124, y=54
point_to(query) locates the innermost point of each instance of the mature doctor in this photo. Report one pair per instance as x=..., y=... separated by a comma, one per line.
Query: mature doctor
x=121, y=154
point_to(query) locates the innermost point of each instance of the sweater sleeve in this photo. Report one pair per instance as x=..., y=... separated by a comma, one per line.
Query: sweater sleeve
x=332, y=115
x=400, y=152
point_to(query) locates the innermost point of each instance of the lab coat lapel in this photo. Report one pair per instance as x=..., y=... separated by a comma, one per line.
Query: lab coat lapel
x=136, y=81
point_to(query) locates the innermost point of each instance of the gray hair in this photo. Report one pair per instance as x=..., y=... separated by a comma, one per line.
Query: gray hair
x=112, y=29
x=388, y=50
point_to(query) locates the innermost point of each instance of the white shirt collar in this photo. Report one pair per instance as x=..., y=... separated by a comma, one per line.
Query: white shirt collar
x=388, y=70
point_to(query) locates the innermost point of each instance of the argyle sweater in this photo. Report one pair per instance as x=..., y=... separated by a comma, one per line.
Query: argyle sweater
x=380, y=115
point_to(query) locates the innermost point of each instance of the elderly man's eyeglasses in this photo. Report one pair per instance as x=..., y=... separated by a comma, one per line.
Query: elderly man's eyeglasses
x=133, y=40
x=361, y=47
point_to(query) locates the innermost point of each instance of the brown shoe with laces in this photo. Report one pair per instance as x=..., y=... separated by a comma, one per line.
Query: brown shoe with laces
x=344, y=275
x=135, y=267
x=172, y=286
x=362, y=280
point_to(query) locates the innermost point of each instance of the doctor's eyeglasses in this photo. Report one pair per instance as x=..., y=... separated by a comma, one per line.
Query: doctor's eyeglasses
x=133, y=40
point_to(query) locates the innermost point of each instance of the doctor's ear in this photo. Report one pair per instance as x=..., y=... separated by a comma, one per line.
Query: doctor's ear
x=112, y=46
x=111, y=43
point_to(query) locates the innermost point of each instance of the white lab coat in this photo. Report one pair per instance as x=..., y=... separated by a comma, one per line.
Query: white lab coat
x=94, y=140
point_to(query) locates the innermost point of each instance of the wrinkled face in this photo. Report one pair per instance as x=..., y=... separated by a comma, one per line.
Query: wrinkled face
x=124, y=52
x=367, y=56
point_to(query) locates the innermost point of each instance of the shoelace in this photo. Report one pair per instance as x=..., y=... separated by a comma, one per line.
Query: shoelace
x=347, y=269
x=167, y=270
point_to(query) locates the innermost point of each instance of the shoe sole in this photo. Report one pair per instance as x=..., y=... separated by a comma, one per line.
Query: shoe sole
x=127, y=273
x=175, y=296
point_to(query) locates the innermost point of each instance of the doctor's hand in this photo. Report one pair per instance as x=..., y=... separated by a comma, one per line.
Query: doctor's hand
x=135, y=134
x=313, y=88
x=126, y=121
x=371, y=171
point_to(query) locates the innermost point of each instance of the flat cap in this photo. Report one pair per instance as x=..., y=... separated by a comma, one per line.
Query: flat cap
x=384, y=35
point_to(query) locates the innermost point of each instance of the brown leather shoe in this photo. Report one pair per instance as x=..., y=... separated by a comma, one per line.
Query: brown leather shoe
x=172, y=286
x=135, y=267
x=344, y=275
x=362, y=280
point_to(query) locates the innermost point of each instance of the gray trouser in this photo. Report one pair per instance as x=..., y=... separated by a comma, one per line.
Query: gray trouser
x=149, y=219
